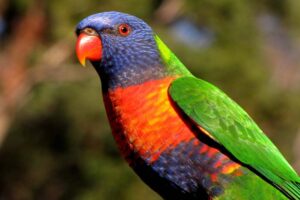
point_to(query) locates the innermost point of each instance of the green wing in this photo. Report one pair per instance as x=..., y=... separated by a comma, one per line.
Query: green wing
x=233, y=128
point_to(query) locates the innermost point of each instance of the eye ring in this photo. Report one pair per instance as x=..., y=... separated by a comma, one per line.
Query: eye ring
x=124, y=29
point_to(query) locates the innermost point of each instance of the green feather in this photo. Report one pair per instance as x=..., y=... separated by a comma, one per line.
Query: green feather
x=173, y=64
x=234, y=129
x=240, y=189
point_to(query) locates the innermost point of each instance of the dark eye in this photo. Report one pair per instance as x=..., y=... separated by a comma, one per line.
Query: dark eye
x=124, y=29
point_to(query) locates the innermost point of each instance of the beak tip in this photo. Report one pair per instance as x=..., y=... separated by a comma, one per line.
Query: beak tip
x=82, y=62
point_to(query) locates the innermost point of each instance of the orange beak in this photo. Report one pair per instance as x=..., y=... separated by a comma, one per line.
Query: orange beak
x=88, y=47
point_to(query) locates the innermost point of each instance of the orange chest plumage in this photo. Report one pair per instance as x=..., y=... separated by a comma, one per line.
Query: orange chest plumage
x=147, y=126
x=144, y=120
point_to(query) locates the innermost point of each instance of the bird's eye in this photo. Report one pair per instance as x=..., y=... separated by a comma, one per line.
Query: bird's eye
x=89, y=31
x=124, y=29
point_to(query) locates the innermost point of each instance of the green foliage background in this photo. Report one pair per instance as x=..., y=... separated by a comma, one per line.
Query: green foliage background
x=60, y=146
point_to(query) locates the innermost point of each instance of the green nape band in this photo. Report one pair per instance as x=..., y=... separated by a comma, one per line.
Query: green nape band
x=172, y=63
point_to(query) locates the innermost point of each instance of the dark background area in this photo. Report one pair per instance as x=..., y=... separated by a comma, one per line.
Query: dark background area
x=55, y=142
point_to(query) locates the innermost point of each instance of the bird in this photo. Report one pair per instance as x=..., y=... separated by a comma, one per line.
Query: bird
x=184, y=137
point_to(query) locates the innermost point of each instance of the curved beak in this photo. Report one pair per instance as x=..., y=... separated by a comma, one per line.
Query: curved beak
x=88, y=47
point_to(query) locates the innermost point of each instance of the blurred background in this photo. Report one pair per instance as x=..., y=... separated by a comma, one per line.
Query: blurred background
x=55, y=142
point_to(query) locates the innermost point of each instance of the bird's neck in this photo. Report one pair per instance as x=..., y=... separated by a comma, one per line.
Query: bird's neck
x=155, y=64
x=137, y=73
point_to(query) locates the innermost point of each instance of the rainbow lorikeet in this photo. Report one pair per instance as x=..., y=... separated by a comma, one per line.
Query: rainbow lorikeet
x=183, y=136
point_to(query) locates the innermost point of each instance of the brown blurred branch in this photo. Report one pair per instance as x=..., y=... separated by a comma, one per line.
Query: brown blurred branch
x=14, y=81
x=17, y=78
x=13, y=71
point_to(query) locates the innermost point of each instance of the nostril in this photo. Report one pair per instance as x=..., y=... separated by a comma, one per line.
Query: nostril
x=89, y=31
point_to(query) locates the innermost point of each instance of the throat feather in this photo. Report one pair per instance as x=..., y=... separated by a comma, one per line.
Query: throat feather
x=144, y=120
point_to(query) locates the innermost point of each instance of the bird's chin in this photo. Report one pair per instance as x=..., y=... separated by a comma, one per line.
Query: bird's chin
x=97, y=64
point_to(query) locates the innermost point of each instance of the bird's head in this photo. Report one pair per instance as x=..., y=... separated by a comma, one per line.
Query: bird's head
x=121, y=47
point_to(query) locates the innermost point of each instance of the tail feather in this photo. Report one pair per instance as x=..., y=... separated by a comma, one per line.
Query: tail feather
x=291, y=189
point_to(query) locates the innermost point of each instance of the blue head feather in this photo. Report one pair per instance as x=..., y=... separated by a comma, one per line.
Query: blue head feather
x=126, y=60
